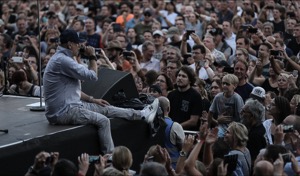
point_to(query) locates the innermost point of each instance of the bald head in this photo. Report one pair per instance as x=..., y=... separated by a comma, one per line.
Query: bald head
x=263, y=167
x=164, y=104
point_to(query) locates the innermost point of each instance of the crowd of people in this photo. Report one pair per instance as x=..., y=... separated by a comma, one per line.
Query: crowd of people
x=227, y=70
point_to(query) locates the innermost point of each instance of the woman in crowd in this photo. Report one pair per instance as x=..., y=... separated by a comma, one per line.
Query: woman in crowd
x=237, y=137
x=237, y=22
x=271, y=83
x=216, y=87
x=193, y=23
x=200, y=87
x=285, y=82
x=164, y=83
x=22, y=87
x=279, y=109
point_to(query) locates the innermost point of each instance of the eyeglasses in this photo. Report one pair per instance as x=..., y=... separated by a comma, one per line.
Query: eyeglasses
x=226, y=83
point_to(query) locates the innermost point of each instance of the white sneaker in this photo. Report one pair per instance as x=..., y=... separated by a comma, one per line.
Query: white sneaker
x=149, y=112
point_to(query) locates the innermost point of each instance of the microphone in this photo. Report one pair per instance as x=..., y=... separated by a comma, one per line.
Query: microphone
x=4, y=131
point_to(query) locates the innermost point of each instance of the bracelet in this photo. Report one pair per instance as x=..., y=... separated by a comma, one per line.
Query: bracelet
x=206, y=67
x=91, y=99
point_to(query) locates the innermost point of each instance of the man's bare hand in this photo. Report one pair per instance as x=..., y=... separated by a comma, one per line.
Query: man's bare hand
x=101, y=102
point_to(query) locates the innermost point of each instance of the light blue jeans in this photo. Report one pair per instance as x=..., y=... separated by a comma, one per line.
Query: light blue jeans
x=94, y=114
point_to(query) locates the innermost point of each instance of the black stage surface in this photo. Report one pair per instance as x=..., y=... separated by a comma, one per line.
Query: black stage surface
x=30, y=133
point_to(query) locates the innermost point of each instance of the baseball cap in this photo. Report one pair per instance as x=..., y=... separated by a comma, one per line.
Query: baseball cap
x=155, y=88
x=158, y=32
x=172, y=31
x=70, y=35
x=258, y=92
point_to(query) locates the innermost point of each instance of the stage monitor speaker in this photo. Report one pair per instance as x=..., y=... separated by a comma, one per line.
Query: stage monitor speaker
x=111, y=82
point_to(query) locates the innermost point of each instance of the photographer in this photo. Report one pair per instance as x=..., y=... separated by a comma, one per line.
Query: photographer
x=43, y=164
x=21, y=86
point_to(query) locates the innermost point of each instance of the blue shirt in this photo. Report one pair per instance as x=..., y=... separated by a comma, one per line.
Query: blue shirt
x=288, y=167
x=62, y=86
x=131, y=23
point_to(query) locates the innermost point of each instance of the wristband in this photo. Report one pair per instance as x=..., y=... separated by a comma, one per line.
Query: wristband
x=206, y=67
x=91, y=99
x=93, y=58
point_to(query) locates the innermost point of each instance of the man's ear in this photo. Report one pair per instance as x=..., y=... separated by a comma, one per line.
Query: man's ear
x=69, y=45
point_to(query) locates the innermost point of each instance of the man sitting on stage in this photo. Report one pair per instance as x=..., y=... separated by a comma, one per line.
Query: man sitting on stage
x=65, y=102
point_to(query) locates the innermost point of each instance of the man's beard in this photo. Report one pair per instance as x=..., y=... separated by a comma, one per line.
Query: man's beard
x=182, y=86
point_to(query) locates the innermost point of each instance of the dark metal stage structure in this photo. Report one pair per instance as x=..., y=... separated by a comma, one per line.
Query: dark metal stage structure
x=29, y=133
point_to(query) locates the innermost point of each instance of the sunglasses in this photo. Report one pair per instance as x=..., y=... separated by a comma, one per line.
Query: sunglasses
x=226, y=83
x=147, y=14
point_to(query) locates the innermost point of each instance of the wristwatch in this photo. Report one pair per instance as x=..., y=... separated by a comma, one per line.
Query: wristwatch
x=32, y=171
x=182, y=153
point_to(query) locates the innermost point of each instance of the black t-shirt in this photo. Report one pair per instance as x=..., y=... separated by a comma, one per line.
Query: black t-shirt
x=266, y=85
x=256, y=140
x=279, y=26
x=185, y=104
x=294, y=46
x=244, y=90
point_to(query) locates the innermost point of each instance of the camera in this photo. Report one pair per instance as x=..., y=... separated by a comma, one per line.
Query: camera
x=245, y=27
x=82, y=49
x=189, y=32
x=54, y=40
x=17, y=59
x=127, y=54
x=186, y=56
x=94, y=159
x=274, y=53
x=286, y=157
x=193, y=133
x=231, y=160
x=117, y=27
x=288, y=128
x=49, y=159
x=252, y=30
x=228, y=70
